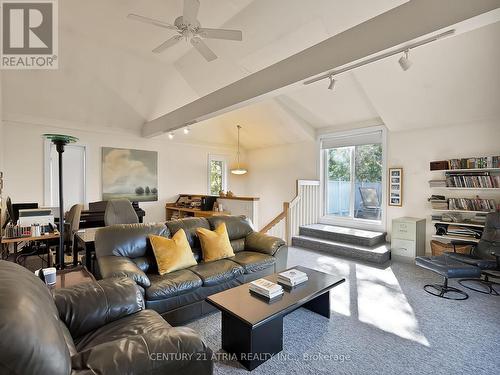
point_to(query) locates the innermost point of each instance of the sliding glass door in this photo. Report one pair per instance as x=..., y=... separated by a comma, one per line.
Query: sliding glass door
x=353, y=178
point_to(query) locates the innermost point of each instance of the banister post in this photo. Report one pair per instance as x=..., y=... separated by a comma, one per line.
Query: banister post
x=286, y=210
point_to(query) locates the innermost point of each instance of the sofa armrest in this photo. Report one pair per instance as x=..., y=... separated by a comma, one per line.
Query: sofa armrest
x=170, y=351
x=263, y=243
x=119, y=266
x=88, y=306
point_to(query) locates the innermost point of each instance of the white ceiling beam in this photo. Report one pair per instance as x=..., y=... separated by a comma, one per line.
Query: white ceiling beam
x=410, y=21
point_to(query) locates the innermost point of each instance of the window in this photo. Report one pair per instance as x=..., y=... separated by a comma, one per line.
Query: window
x=353, y=177
x=217, y=174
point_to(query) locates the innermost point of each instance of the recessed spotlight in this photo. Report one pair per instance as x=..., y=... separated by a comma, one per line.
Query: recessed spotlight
x=404, y=61
x=332, y=83
x=171, y=135
x=187, y=130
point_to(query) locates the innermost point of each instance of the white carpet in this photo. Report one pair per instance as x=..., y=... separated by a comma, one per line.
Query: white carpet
x=382, y=323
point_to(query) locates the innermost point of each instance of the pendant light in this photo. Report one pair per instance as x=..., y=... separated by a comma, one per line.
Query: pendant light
x=238, y=170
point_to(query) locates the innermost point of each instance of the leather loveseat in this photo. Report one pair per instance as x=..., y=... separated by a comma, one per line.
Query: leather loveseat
x=92, y=328
x=124, y=250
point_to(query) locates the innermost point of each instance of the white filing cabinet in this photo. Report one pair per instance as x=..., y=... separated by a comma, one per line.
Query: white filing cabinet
x=408, y=237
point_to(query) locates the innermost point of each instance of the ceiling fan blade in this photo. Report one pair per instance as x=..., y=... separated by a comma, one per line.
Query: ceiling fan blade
x=203, y=49
x=221, y=34
x=167, y=44
x=190, y=13
x=151, y=21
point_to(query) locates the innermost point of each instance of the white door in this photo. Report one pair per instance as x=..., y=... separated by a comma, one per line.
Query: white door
x=73, y=176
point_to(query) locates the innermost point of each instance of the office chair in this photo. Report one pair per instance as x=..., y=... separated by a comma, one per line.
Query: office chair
x=72, y=222
x=119, y=211
x=480, y=256
x=9, y=213
x=370, y=202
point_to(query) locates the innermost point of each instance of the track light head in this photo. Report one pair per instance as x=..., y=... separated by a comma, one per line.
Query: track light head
x=332, y=83
x=170, y=135
x=404, y=61
x=187, y=130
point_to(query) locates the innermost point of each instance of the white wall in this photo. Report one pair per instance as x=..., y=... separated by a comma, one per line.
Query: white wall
x=182, y=168
x=273, y=171
x=413, y=150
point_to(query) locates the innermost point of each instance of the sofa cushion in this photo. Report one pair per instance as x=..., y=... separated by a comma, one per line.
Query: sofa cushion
x=172, y=254
x=172, y=284
x=136, y=324
x=215, y=243
x=237, y=226
x=213, y=273
x=252, y=261
x=127, y=240
x=190, y=225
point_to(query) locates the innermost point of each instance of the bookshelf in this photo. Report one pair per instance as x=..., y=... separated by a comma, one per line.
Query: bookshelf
x=473, y=186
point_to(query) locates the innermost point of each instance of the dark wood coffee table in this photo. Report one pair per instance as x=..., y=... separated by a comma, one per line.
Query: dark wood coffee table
x=252, y=328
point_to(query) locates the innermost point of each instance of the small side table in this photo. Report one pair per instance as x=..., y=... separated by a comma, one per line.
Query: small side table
x=70, y=277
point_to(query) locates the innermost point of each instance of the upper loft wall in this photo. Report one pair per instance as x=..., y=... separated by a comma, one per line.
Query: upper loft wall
x=272, y=31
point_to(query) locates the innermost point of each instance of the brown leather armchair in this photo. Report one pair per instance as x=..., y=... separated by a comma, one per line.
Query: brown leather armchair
x=93, y=328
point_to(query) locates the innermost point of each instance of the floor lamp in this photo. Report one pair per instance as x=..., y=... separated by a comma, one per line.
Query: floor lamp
x=60, y=141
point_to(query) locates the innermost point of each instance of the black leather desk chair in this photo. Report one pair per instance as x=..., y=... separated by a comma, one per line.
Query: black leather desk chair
x=482, y=256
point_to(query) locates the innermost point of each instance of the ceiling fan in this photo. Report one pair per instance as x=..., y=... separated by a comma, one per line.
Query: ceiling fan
x=188, y=28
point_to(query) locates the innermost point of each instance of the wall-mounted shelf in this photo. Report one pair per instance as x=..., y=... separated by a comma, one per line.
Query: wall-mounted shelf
x=461, y=238
x=468, y=170
x=464, y=211
x=461, y=224
x=464, y=188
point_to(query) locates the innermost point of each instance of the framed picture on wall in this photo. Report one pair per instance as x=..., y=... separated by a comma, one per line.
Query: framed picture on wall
x=396, y=187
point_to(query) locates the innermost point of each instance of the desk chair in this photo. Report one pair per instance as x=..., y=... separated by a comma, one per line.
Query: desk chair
x=481, y=256
x=370, y=202
x=120, y=211
x=72, y=222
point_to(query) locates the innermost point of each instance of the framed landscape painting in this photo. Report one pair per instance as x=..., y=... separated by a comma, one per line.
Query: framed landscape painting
x=129, y=174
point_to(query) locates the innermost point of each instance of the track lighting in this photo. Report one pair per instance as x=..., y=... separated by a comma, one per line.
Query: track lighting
x=171, y=135
x=332, y=83
x=187, y=130
x=404, y=61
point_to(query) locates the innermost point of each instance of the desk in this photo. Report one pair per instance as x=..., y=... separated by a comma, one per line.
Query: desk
x=84, y=239
x=17, y=240
x=185, y=211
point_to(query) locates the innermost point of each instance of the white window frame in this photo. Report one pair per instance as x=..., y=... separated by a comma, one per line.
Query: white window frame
x=225, y=162
x=47, y=173
x=351, y=221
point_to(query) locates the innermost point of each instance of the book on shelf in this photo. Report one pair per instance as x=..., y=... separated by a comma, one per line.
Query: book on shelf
x=292, y=277
x=266, y=288
x=475, y=204
x=472, y=180
x=475, y=163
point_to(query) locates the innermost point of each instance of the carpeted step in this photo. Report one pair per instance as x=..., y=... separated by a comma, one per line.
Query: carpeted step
x=379, y=253
x=343, y=234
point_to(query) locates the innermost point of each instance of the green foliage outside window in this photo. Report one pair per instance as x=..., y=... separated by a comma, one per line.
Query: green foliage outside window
x=368, y=163
x=216, y=175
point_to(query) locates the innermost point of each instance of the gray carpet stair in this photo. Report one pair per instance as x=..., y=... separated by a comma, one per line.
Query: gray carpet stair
x=359, y=244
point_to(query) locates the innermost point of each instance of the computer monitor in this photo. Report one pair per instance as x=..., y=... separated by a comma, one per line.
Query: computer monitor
x=21, y=206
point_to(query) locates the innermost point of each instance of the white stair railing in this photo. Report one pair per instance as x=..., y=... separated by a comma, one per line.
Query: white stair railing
x=304, y=209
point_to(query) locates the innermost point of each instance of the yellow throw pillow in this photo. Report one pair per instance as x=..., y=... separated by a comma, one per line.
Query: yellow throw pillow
x=215, y=244
x=172, y=254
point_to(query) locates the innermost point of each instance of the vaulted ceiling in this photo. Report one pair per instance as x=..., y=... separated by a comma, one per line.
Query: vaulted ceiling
x=109, y=79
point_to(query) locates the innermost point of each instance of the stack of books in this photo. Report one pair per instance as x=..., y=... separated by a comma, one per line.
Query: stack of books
x=292, y=277
x=477, y=204
x=437, y=183
x=438, y=202
x=266, y=289
x=472, y=180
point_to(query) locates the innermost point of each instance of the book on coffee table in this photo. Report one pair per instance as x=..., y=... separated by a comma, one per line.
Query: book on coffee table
x=266, y=288
x=292, y=277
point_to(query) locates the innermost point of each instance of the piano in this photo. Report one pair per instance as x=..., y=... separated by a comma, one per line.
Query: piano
x=94, y=216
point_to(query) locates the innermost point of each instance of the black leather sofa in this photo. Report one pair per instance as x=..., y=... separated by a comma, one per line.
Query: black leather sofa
x=93, y=328
x=124, y=250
